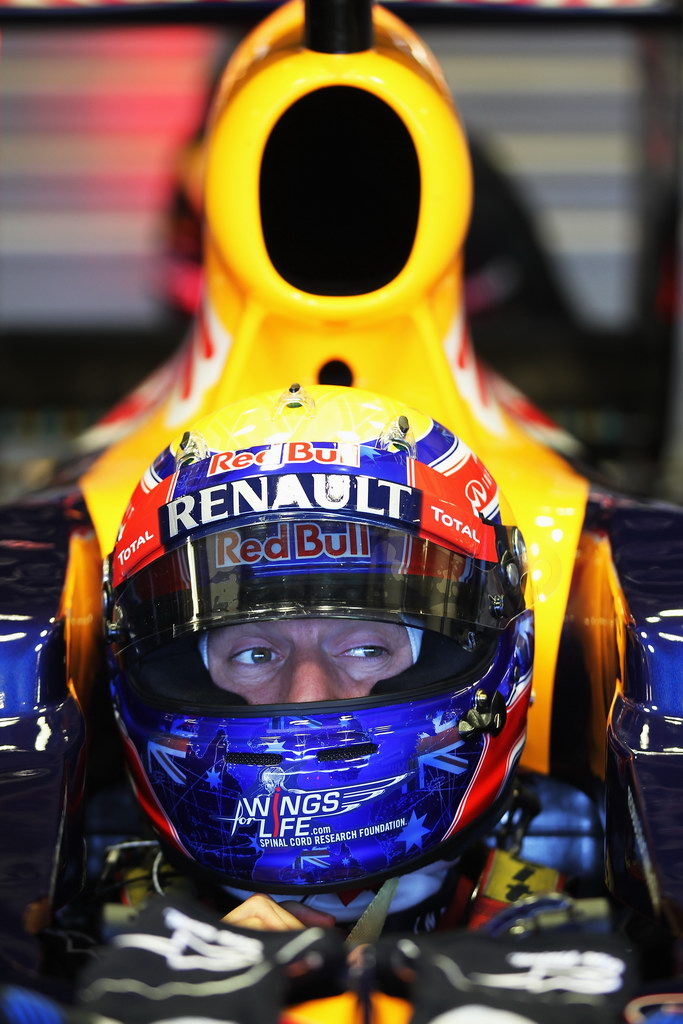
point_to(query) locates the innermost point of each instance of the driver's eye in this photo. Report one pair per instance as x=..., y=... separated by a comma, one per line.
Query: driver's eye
x=366, y=651
x=253, y=656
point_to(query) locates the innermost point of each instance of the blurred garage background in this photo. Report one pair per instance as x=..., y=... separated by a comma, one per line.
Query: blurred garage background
x=573, y=261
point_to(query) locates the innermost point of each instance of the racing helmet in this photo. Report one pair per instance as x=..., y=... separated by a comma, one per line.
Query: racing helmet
x=328, y=503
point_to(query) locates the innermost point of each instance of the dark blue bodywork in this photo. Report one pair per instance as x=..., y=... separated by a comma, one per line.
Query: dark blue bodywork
x=645, y=730
x=42, y=737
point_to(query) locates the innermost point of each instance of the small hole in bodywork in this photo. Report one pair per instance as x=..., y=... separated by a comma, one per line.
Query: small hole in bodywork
x=336, y=371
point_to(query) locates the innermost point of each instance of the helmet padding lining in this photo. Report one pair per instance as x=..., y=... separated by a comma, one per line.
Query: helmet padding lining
x=176, y=673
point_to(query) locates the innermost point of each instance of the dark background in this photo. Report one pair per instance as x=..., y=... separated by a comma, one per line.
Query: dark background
x=573, y=260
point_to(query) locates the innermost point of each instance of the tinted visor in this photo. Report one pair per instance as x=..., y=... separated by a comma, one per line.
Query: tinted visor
x=295, y=567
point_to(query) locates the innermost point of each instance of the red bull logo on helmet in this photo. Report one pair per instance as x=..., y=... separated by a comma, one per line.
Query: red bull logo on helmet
x=298, y=541
x=275, y=456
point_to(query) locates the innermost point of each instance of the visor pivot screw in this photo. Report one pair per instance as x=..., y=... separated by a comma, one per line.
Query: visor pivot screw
x=111, y=614
x=519, y=550
x=481, y=700
x=512, y=573
x=112, y=628
x=487, y=715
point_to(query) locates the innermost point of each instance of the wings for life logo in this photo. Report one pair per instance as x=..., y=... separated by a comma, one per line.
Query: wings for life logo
x=294, y=818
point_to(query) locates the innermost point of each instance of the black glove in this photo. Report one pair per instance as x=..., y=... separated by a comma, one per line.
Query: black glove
x=178, y=962
x=549, y=979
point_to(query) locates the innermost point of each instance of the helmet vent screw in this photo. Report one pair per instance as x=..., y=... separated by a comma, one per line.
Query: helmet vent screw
x=295, y=397
x=192, y=448
x=297, y=393
x=398, y=436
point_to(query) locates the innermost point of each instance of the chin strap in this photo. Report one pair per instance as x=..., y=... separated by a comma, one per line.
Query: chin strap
x=369, y=925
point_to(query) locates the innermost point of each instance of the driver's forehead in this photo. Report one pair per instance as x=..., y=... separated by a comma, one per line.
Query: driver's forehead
x=316, y=630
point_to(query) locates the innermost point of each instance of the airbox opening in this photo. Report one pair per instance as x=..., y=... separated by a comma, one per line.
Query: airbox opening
x=339, y=193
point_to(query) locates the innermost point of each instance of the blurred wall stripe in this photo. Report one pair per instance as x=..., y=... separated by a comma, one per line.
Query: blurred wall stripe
x=559, y=109
x=92, y=122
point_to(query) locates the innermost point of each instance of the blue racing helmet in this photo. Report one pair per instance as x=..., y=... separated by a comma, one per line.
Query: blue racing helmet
x=334, y=504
